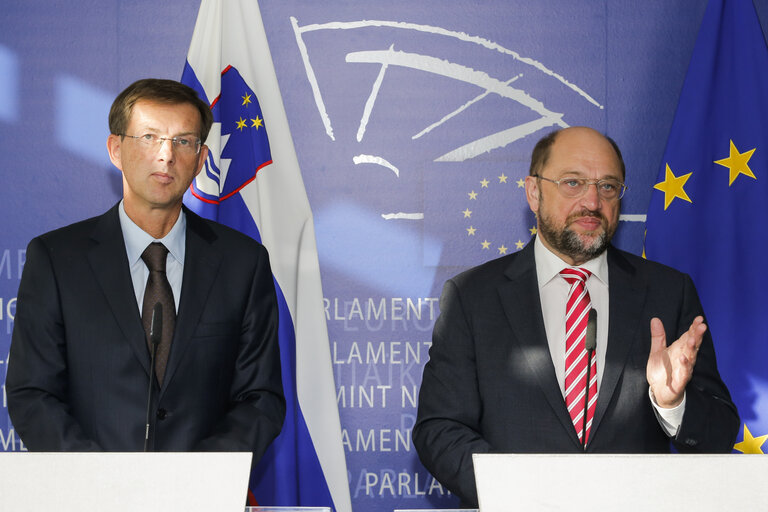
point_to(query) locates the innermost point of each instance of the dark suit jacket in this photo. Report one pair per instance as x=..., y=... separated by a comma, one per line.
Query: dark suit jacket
x=490, y=384
x=79, y=364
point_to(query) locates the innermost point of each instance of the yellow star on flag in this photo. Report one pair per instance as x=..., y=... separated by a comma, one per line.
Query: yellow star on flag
x=484, y=183
x=467, y=213
x=519, y=244
x=502, y=178
x=737, y=163
x=473, y=195
x=520, y=183
x=246, y=99
x=256, y=123
x=533, y=231
x=486, y=244
x=502, y=249
x=750, y=444
x=471, y=231
x=672, y=186
x=241, y=124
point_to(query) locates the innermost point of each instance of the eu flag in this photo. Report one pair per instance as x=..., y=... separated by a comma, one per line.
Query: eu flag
x=709, y=211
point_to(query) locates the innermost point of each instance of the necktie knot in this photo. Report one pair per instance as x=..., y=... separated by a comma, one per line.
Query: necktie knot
x=155, y=256
x=575, y=275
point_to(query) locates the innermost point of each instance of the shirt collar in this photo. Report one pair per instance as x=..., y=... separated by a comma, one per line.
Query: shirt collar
x=549, y=265
x=136, y=239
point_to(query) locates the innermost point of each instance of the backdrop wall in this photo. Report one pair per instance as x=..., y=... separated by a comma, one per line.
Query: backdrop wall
x=413, y=123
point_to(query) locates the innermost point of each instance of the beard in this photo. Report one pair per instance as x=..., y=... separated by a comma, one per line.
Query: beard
x=580, y=248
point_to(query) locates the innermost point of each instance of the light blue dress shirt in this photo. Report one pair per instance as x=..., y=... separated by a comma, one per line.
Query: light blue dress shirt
x=136, y=240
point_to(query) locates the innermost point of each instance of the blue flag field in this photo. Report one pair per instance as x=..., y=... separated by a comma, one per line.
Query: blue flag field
x=709, y=209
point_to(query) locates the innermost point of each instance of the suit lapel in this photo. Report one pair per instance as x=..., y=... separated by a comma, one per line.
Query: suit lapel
x=201, y=263
x=115, y=281
x=626, y=295
x=522, y=306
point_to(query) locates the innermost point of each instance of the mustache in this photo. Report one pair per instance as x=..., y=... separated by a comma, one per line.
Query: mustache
x=587, y=213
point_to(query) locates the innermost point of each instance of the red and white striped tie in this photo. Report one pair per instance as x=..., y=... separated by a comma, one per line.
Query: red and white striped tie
x=576, y=315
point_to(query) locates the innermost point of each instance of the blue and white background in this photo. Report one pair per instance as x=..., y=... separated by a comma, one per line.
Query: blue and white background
x=413, y=124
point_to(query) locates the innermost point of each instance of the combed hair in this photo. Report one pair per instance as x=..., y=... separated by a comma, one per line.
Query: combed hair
x=160, y=91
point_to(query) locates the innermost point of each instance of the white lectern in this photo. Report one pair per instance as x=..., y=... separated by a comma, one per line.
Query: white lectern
x=124, y=482
x=595, y=483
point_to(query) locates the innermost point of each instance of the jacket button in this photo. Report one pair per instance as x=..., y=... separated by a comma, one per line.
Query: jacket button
x=161, y=414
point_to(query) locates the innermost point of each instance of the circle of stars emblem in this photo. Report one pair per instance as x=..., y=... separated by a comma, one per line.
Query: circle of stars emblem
x=474, y=198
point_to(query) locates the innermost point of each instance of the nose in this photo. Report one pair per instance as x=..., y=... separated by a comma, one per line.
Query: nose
x=165, y=151
x=591, y=197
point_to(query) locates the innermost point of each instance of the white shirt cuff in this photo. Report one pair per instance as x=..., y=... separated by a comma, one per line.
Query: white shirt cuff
x=669, y=419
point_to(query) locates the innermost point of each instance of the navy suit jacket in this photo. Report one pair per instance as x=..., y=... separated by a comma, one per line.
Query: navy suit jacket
x=79, y=364
x=490, y=383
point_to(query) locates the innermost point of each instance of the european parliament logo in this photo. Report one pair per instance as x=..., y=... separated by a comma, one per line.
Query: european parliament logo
x=442, y=123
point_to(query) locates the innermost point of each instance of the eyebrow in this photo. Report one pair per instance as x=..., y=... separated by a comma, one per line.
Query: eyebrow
x=577, y=174
x=155, y=131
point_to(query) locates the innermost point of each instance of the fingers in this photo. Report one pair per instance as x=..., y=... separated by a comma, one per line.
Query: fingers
x=658, y=336
x=698, y=327
x=689, y=344
x=692, y=338
x=670, y=368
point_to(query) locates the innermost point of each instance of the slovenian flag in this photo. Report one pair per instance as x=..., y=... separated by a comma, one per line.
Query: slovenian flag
x=252, y=182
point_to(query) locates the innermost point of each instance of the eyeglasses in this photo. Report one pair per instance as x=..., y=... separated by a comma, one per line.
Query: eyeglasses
x=187, y=145
x=609, y=189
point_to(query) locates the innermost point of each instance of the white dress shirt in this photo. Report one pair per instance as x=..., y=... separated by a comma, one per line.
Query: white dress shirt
x=553, y=290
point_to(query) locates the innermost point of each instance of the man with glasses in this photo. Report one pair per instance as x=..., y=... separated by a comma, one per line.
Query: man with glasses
x=148, y=327
x=570, y=345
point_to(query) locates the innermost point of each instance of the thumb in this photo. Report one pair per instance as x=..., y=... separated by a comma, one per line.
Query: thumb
x=658, y=336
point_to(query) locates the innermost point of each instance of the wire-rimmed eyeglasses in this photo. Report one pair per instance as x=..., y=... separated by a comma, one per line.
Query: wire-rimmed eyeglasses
x=187, y=144
x=609, y=189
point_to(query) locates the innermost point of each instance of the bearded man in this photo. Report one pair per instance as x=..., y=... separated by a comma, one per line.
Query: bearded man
x=509, y=369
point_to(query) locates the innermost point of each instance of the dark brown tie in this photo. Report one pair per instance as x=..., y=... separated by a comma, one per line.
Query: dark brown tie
x=158, y=290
